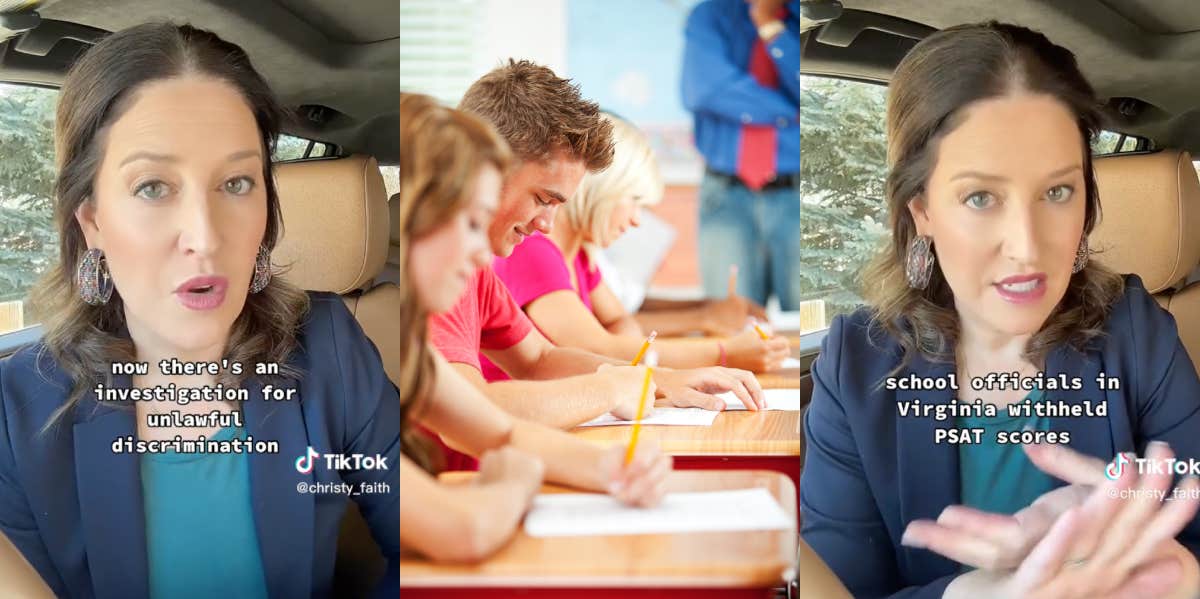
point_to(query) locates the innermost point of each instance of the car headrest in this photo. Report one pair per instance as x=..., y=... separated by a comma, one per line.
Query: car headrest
x=335, y=223
x=1150, y=206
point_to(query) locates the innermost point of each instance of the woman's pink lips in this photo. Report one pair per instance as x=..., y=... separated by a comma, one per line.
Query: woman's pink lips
x=1022, y=297
x=1020, y=278
x=202, y=300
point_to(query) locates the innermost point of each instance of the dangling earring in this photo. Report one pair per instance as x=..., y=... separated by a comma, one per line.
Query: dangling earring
x=262, y=270
x=92, y=278
x=918, y=264
x=1081, y=255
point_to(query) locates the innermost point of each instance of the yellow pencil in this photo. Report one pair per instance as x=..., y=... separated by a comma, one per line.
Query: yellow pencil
x=645, y=346
x=760, y=332
x=637, y=424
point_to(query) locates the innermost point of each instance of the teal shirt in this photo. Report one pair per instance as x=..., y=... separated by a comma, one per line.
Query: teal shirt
x=200, y=534
x=1000, y=478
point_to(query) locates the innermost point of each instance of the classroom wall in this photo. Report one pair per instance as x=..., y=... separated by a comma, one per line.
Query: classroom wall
x=532, y=29
x=680, y=273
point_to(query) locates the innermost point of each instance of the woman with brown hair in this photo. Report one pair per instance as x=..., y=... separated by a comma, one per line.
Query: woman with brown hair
x=451, y=167
x=992, y=198
x=148, y=448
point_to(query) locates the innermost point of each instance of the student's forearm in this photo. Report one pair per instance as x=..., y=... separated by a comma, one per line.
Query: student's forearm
x=559, y=362
x=673, y=353
x=569, y=460
x=560, y=403
x=627, y=325
x=677, y=353
x=459, y=523
x=672, y=323
x=489, y=515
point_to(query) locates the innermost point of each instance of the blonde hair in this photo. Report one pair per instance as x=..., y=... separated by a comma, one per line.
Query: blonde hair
x=633, y=172
x=442, y=152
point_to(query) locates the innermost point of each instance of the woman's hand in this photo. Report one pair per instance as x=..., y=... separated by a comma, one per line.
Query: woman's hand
x=1171, y=575
x=694, y=387
x=750, y=352
x=643, y=482
x=999, y=541
x=1116, y=541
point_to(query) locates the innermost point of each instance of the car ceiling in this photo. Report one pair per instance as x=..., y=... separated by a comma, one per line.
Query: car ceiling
x=1148, y=50
x=343, y=55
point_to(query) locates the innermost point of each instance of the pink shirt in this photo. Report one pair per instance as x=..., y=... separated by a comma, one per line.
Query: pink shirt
x=535, y=268
x=485, y=317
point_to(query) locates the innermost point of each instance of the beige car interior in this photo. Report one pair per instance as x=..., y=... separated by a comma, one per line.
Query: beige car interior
x=335, y=238
x=1149, y=204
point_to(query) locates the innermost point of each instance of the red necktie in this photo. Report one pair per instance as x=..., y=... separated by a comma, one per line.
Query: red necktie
x=756, y=149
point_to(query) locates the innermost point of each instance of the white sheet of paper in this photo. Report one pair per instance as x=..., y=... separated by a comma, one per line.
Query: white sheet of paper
x=777, y=399
x=661, y=416
x=786, y=321
x=790, y=362
x=580, y=514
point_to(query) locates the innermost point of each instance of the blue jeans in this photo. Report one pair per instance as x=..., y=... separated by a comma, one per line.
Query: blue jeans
x=757, y=231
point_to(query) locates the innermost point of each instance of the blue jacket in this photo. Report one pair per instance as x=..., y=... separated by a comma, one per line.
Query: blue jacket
x=722, y=94
x=74, y=508
x=868, y=472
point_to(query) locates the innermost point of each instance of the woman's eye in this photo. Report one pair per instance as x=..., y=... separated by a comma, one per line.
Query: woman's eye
x=1060, y=193
x=151, y=190
x=239, y=185
x=978, y=200
x=540, y=202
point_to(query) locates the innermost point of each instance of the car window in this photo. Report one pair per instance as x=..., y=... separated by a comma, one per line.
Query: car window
x=1111, y=142
x=28, y=243
x=391, y=179
x=290, y=147
x=843, y=153
x=843, y=166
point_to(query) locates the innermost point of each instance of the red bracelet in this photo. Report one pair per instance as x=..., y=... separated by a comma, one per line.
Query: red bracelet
x=721, y=360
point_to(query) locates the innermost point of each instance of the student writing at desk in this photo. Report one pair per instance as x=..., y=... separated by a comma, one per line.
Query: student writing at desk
x=451, y=170
x=553, y=280
x=555, y=136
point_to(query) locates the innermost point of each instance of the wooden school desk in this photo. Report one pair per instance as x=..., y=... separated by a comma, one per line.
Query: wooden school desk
x=737, y=440
x=694, y=565
x=787, y=378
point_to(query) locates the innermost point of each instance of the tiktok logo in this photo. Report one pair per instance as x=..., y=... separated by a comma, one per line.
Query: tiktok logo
x=1114, y=470
x=305, y=463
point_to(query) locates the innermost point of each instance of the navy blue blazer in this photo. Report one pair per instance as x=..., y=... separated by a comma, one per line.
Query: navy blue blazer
x=868, y=472
x=74, y=508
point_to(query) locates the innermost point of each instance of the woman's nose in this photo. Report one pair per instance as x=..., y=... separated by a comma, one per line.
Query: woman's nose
x=198, y=225
x=1021, y=236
